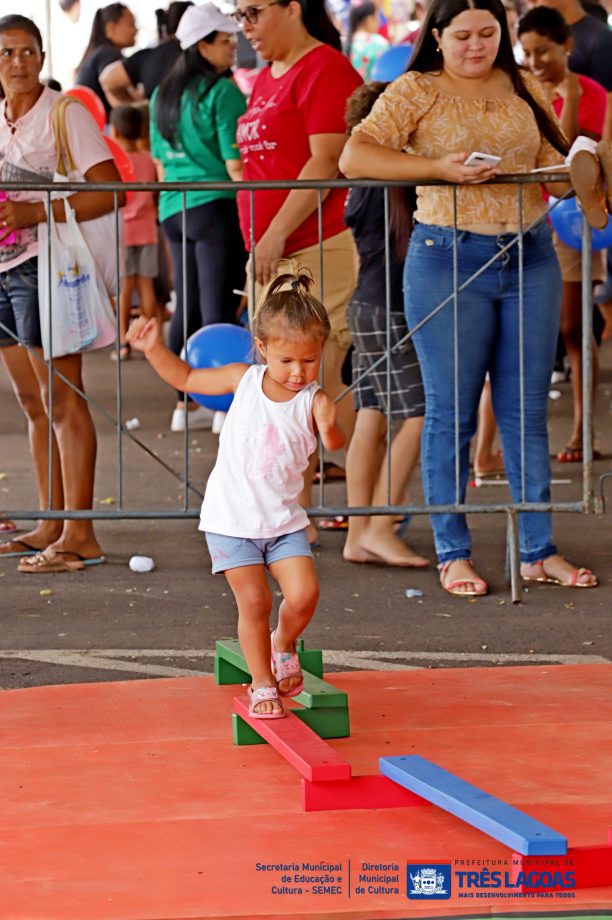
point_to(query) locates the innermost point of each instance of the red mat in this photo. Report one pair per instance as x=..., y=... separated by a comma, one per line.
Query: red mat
x=128, y=801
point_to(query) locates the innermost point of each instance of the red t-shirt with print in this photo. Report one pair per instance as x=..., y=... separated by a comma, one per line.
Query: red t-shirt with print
x=273, y=134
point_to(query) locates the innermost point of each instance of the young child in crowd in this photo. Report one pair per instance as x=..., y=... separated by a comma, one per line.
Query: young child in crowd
x=140, y=224
x=251, y=513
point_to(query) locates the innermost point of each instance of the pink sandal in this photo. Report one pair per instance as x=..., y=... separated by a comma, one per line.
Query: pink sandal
x=480, y=587
x=264, y=695
x=286, y=664
x=544, y=578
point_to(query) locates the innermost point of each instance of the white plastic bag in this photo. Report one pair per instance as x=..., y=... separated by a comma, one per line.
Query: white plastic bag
x=81, y=317
x=103, y=235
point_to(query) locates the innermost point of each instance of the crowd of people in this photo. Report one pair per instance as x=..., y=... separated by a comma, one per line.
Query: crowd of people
x=531, y=86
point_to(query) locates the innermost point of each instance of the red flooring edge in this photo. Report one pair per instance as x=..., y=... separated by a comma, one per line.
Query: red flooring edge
x=128, y=801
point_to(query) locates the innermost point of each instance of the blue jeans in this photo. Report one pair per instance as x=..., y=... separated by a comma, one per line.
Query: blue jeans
x=488, y=336
x=19, y=305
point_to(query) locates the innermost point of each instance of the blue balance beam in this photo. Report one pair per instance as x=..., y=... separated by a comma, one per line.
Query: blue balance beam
x=510, y=826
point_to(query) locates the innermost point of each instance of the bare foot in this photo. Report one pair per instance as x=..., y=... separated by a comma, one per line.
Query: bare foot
x=557, y=570
x=8, y=526
x=39, y=538
x=89, y=549
x=384, y=548
x=489, y=464
x=459, y=577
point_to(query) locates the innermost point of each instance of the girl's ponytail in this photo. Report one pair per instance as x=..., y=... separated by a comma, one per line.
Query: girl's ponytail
x=288, y=310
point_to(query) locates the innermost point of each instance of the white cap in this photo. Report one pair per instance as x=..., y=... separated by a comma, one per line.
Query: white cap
x=199, y=21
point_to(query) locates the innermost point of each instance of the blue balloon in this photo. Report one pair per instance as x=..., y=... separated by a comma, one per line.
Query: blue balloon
x=214, y=346
x=566, y=218
x=392, y=63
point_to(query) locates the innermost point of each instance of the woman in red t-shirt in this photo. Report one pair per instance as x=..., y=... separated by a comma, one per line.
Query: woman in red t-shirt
x=294, y=129
x=580, y=104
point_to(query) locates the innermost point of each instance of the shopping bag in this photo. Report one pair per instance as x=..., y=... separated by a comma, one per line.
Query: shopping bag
x=75, y=311
x=102, y=234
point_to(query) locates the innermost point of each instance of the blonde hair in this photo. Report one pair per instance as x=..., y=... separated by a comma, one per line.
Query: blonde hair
x=288, y=303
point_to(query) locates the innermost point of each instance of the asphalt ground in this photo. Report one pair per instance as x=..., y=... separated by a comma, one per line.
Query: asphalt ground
x=107, y=623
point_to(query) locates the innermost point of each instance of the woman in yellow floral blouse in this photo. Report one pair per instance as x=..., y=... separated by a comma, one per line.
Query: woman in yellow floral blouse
x=464, y=93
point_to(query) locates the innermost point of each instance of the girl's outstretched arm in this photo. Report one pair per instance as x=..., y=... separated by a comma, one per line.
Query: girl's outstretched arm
x=324, y=413
x=143, y=335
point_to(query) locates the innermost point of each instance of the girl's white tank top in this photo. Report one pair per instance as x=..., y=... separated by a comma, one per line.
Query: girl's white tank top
x=264, y=448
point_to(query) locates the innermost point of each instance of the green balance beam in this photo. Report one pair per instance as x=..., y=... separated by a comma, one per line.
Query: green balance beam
x=327, y=723
x=231, y=668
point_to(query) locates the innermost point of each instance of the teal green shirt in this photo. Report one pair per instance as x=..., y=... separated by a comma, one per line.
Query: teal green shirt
x=206, y=138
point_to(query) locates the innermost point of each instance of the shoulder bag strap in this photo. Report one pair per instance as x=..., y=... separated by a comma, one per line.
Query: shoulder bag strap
x=64, y=161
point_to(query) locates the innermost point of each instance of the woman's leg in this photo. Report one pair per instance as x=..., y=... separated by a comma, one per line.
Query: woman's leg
x=185, y=282
x=149, y=305
x=485, y=461
x=76, y=440
x=125, y=308
x=525, y=441
x=254, y=599
x=379, y=538
x=571, y=330
x=363, y=460
x=219, y=254
x=428, y=281
x=27, y=391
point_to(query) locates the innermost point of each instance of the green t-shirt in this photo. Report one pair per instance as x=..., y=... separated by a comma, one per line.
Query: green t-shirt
x=206, y=137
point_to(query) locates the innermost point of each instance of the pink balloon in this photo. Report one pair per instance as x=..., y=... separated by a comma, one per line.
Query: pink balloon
x=92, y=103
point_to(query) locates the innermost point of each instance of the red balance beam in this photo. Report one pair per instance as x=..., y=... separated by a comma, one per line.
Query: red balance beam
x=373, y=791
x=590, y=867
x=312, y=757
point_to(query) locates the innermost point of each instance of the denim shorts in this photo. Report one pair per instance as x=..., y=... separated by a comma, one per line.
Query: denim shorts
x=19, y=305
x=234, y=552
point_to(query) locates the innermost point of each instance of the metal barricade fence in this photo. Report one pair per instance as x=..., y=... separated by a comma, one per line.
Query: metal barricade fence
x=589, y=502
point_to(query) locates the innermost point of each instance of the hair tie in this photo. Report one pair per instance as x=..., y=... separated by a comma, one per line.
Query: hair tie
x=296, y=285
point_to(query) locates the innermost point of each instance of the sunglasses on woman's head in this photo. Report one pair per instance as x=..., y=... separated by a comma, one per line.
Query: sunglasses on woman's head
x=251, y=13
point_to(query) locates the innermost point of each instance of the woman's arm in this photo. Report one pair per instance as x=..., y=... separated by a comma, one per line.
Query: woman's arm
x=117, y=85
x=365, y=158
x=143, y=335
x=86, y=205
x=570, y=91
x=323, y=164
x=324, y=414
x=235, y=168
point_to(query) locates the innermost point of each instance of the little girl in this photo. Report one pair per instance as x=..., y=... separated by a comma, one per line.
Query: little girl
x=250, y=513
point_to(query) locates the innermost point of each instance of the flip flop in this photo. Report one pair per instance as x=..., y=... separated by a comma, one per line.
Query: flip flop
x=340, y=522
x=26, y=549
x=264, y=695
x=604, y=152
x=575, y=455
x=586, y=178
x=51, y=561
x=489, y=474
x=8, y=527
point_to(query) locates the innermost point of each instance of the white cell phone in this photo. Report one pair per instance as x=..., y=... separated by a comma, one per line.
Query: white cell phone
x=481, y=159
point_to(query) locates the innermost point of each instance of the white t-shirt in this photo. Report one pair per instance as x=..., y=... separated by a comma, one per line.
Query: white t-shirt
x=264, y=447
x=27, y=154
